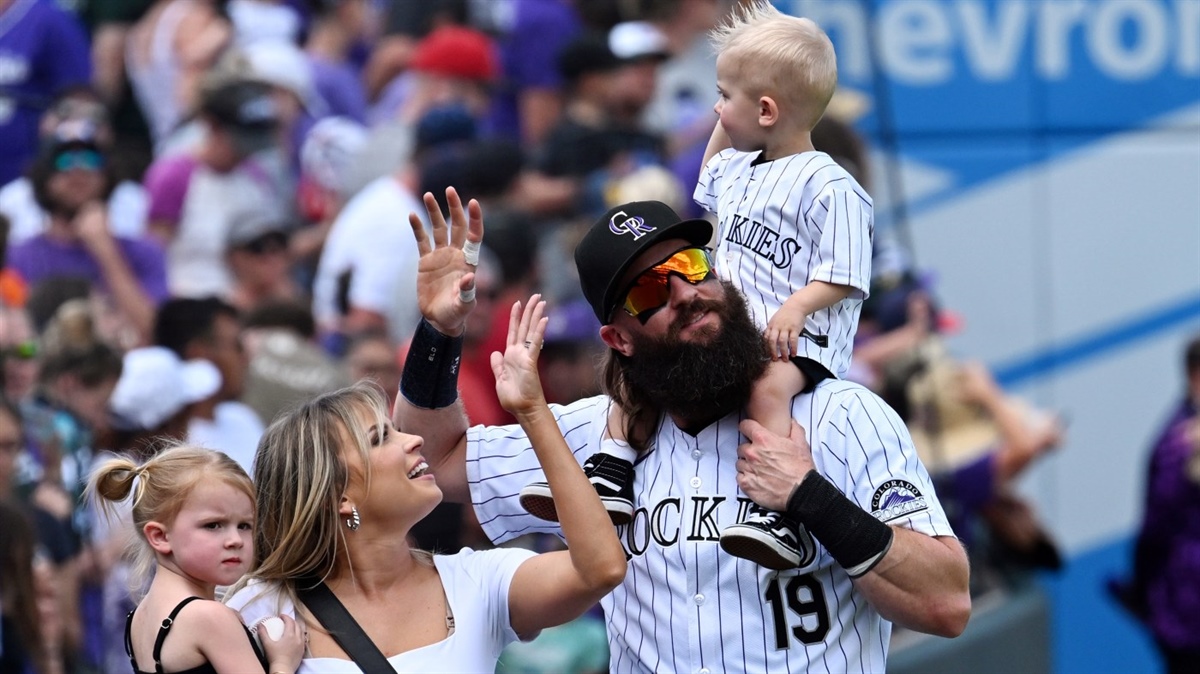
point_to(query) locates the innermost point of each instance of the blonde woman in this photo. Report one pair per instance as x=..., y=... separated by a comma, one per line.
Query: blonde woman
x=338, y=490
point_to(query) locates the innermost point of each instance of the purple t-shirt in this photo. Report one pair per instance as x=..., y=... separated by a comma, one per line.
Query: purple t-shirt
x=166, y=184
x=969, y=487
x=40, y=258
x=529, y=57
x=1169, y=544
x=43, y=50
x=341, y=87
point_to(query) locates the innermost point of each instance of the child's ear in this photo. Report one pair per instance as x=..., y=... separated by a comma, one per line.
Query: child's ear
x=768, y=111
x=156, y=536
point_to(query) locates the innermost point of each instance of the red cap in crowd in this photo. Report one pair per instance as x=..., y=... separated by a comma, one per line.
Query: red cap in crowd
x=455, y=51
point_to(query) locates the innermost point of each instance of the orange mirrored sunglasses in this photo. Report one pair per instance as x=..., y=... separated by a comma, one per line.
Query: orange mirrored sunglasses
x=651, y=290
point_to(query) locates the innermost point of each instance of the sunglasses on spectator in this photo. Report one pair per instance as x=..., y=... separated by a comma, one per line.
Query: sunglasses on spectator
x=651, y=290
x=274, y=242
x=27, y=350
x=88, y=160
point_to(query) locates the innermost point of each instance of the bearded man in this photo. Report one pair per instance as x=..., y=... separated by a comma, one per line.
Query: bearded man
x=876, y=546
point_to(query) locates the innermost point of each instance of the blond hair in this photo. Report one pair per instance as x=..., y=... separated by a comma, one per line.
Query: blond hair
x=786, y=57
x=160, y=487
x=300, y=476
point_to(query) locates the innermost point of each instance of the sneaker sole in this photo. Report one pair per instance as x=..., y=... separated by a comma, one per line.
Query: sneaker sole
x=619, y=510
x=541, y=507
x=759, y=547
x=540, y=504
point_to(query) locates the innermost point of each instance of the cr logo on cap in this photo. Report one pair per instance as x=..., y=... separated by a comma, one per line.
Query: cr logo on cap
x=635, y=225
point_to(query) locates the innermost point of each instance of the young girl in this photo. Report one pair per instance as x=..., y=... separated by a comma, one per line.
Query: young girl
x=194, y=511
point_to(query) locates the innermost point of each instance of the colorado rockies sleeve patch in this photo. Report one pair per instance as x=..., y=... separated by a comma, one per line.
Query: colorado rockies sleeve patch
x=896, y=498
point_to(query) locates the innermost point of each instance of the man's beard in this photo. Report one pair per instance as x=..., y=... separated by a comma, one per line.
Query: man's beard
x=702, y=379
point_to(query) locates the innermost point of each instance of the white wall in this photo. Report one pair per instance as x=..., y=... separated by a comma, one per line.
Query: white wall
x=1076, y=247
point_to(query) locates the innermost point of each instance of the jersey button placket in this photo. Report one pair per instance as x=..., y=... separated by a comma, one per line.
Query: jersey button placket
x=697, y=453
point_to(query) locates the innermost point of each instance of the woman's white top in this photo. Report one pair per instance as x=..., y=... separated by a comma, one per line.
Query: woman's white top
x=476, y=586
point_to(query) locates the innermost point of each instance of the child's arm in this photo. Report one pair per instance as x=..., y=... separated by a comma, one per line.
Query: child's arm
x=719, y=140
x=221, y=639
x=555, y=587
x=785, y=328
x=770, y=401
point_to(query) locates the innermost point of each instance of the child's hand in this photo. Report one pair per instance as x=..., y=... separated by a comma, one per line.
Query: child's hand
x=517, y=385
x=285, y=653
x=784, y=331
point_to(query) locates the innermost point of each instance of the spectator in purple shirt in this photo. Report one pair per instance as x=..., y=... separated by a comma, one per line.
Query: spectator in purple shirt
x=72, y=181
x=1166, y=583
x=337, y=26
x=43, y=50
x=529, y=96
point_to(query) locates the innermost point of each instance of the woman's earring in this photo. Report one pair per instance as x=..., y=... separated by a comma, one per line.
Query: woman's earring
x=353, y=521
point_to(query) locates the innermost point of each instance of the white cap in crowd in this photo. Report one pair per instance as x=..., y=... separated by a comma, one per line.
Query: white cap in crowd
x=635, y=40
x=331, y=151
x=156, y=384
x=285, y=65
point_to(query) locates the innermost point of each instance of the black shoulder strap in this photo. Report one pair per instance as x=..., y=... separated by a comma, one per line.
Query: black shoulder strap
x=129, y=641
x=163, y=630
x=341, y=625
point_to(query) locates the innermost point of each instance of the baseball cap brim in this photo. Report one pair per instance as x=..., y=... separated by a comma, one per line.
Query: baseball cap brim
x=695, y=231
x=250, y=141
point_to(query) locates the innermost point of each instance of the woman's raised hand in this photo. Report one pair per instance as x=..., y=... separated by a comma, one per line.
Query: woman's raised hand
x=446, y=272
x=517, y=385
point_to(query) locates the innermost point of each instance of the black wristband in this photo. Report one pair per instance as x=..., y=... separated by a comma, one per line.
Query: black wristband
x=855, y=539
x=430, y=378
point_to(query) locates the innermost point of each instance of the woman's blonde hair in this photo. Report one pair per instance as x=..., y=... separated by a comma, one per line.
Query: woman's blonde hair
x=300, y=476
x=786, y=57
x=160, y=487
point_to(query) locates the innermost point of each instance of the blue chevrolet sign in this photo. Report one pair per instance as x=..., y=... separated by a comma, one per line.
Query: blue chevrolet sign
x=1007, y=73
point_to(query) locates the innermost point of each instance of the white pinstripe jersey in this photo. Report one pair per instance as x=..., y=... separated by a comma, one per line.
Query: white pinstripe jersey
x=782, y=224
x=685, y=605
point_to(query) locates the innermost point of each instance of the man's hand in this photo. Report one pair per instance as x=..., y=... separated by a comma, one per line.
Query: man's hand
x=91, y=226
x=445, y=273
x=770, y=466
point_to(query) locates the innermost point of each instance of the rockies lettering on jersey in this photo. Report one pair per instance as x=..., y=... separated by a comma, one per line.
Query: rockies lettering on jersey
x=687, y=606
x=762, y=240
x=662, y=525
x=785, y=223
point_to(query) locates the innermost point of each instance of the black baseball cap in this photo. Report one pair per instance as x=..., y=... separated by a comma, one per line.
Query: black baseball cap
x=588, y=53
x=618, y=238
x=247, y=110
